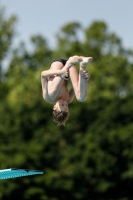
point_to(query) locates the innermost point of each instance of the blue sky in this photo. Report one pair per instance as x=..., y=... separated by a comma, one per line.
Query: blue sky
x=46, y=17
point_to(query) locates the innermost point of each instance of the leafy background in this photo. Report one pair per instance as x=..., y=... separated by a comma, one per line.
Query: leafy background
x=92, y=156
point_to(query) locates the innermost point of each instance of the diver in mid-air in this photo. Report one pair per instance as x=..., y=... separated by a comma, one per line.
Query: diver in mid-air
x=54, y=85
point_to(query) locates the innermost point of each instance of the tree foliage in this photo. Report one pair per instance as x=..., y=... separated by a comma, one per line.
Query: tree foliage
x=92, y=156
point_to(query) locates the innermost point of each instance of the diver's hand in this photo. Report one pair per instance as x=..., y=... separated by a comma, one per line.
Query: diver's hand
x=64, y=73
x=84, y=74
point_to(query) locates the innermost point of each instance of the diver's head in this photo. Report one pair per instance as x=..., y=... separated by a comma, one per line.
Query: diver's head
x=60, y=112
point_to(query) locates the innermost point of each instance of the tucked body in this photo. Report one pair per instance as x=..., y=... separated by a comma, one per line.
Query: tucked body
x=54, y=85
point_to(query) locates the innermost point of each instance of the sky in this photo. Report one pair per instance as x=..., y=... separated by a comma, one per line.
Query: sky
x=46, y=17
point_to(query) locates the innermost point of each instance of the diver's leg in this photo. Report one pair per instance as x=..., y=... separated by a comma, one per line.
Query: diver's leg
x=79, y=80
x=55, y=82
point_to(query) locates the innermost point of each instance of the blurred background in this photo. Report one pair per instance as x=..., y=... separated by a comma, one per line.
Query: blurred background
x=91, y=158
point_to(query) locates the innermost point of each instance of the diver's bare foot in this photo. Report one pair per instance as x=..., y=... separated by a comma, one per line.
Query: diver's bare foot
x=72, y=61
x=75, y=59
x=85, y=61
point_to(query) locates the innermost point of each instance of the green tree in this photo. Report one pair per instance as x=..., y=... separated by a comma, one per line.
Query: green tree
x=68, y=40
x=6, y=36
x=91, y=157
